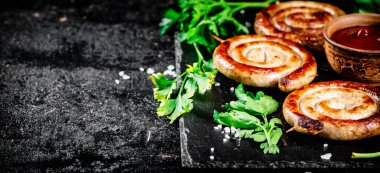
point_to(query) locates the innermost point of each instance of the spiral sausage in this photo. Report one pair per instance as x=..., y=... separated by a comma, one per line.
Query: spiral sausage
x=338, y=110
x=299, y=21
x=265, y=61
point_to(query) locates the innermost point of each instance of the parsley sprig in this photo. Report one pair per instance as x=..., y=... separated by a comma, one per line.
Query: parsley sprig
x=250, y=113
x=195, y=21
x=198, y=77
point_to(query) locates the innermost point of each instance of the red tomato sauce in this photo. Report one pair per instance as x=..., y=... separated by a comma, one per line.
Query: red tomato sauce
x=359, y=37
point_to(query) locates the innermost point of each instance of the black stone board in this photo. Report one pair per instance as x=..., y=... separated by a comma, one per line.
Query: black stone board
x=297, y=151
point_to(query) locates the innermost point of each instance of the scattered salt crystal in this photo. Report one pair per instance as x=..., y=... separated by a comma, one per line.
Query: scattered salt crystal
x=227, y=130
x=141, y=69
x=233, y=130
x=232, y=89
x=121, y=73
x=217, y=84
x=126, y=77
x=171, y=67
x=227, y=136
x=225, y=139
x=211, y=157
x=218, y=127
x=63, y=19
x=212, y=149
x=326, y=156
x=150, y=71
x=242, y=11
x=174, y=75
x=36, y=14
x=117, y=81
x=325, y=145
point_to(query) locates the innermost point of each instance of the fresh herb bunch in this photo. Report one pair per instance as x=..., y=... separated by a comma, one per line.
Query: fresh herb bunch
x=198, y=77
x=250, y=113
x=195, y=22
x=197, y=19
x=368, y=6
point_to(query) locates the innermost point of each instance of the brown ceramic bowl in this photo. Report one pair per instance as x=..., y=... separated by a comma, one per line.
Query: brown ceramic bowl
x=356, y=64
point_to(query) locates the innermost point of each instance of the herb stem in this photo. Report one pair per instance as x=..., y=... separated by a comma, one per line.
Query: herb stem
x=182, y=85
x=365, y=155
x=266, y=133
x=199, y=54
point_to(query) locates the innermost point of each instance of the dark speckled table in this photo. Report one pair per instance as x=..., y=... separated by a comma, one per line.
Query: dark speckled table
x=60, y=107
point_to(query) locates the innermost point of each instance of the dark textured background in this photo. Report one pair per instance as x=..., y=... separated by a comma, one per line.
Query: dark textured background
x=60, y=108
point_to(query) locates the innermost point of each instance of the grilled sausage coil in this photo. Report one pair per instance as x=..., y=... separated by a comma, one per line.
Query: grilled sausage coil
x=338, y=110
x=265, y=61
x=299, y=21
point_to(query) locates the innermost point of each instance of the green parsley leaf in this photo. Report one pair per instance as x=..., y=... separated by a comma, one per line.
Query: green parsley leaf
x=164, y=87
x=184, y=104
x=258, y=137
x=191, y=86
x=237, y=119
x=170, y=18
x=166, y=107
x=248, y=112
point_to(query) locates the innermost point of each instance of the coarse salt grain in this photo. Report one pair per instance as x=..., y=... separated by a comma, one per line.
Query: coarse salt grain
x=212, y=149
x=150, y=71
x=326, y=156
x=233, y=130
x=171, y=67
x=63, y=19
x=141, y=69
x=220, y=126
x=212, y=157
x=227, y=130
x=232, y=88
x=117, y=81
x=36, y=14
x=225, y=139
x=227, y=136
x=126, y=77
x=121, y=73
x=217, y=84
x=325, y=145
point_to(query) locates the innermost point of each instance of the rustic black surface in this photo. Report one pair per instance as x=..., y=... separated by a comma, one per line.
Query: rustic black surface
x=60, y=108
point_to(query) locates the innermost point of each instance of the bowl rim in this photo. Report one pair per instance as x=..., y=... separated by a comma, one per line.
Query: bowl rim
x=334, y=43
